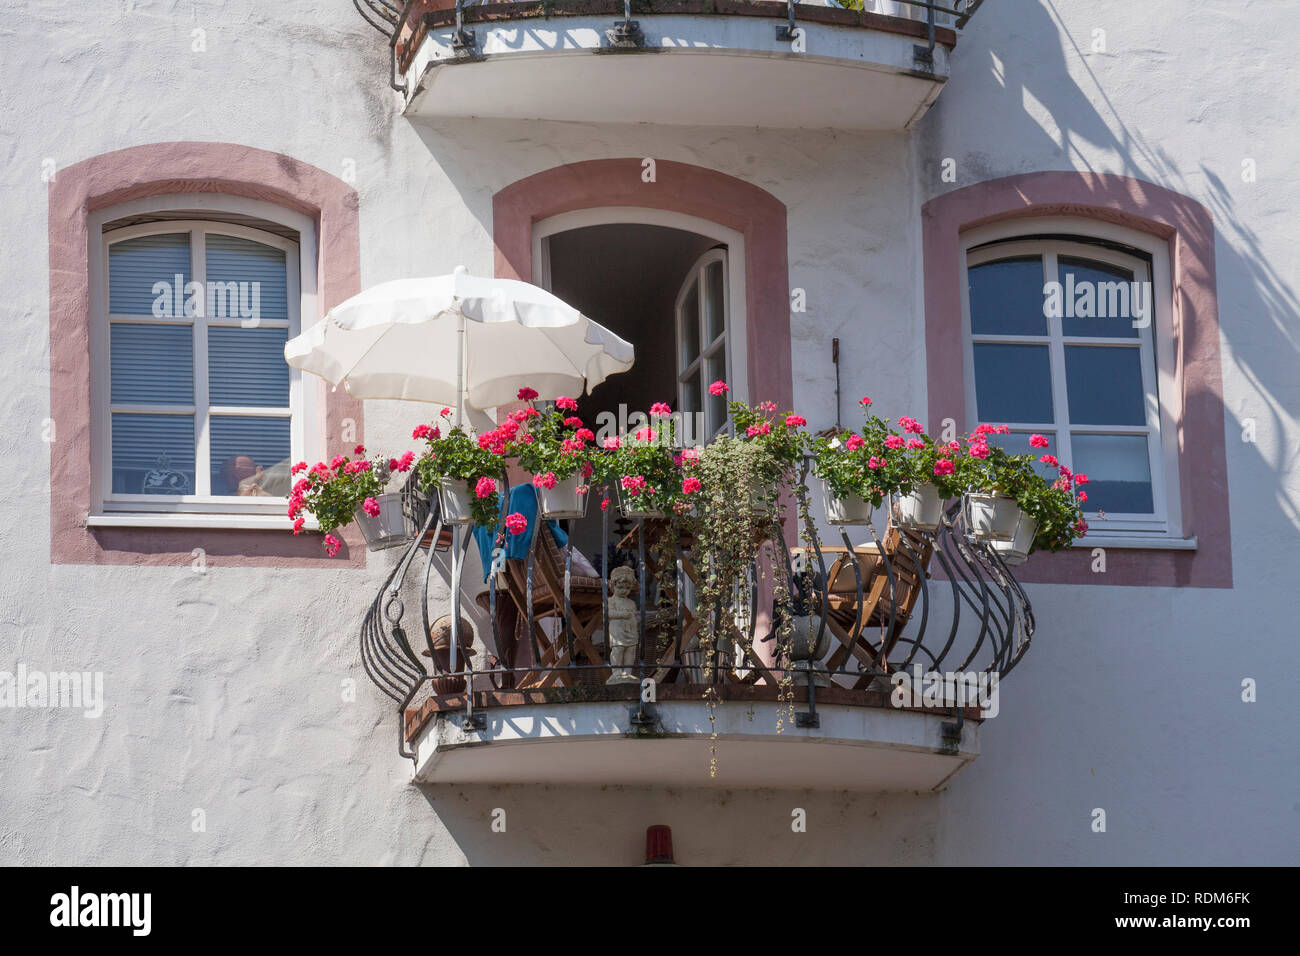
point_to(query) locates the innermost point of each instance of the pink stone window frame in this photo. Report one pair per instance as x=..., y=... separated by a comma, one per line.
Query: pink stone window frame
x=1187, y=230
x=164, y=169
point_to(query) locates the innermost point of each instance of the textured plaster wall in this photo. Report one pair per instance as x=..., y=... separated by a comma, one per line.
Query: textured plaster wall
x=225, y=689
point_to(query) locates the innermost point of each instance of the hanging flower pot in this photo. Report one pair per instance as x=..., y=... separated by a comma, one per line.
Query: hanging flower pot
x=990, y=516
x=565, y=499
x=386, y=527
x=440, y=638
x=921, y=509
x=455, y=497
x=635, y=499
x=1016, y=551
x=852, y=509
x=805, y=645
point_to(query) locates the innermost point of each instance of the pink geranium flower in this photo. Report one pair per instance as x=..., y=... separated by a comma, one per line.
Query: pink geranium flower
x=300, y=466
x=573, y=421
x=795, y=421
x=719, y=388
x=633, y=484
x=873, y=462
x=1038, y=441
x=915, y=443
x=359, y=450
x=297, y=525
x=1080, y=479
x=332, y=545
x=646, y=434
x=854, y=443
x=762, y=428
x=486, y=487
x=516, y=523
x=371, y=507
x=909, y=424
x=979, y=450
x=690, y=485
x=943, y=467
x=527, y=394
x=1049, y=460
x=612, y=442
x=584, y=435
x=864, y=400
x=893, y=441
x=660, y=410
x=567, y=404
x=546, y=480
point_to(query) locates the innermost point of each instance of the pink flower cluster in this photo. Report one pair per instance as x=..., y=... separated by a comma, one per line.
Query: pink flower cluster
x=719, y=388
x=795, y=421
x=371, y=507
x=635, y=485
x=910, y=425
x=546, y=480
x=690, y=485
x=485, y=487
x=758, y=429
x=516, y=523
x=660, y=410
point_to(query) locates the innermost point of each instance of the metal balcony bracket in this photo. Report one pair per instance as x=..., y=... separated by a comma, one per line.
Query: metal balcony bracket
x=626, y=35
x=950, y=731
x=808, y=719
x=642, y=720
x=464, y=43
x=788, y=32
x=474, y=721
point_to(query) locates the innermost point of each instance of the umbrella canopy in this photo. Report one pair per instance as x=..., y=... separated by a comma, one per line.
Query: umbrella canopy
x=456, y=338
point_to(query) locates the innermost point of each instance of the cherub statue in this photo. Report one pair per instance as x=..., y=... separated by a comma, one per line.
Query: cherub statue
x=624, y=636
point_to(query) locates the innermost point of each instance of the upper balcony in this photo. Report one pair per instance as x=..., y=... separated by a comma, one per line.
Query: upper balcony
x=738, y=63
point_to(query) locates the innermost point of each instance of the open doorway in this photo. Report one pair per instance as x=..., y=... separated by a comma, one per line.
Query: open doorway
x=665, y=290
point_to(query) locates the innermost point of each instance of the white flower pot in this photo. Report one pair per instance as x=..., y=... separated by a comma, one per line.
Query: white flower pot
x=1016, y=551
x=852, y=509
x=564, y=500
x=636, y=506
x=921, y=509
x=991, y=517
x=455, y=497
x=386, y=529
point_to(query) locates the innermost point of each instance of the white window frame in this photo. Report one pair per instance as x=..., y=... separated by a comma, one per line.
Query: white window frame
x=306, y=401
x=1046, y=238
x=705, y=348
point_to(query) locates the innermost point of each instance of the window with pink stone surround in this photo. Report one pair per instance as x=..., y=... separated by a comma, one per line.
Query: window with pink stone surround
x=160, y=169
x=1188, y=228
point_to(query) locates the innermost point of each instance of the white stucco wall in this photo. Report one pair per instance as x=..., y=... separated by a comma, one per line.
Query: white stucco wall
x=224, y=689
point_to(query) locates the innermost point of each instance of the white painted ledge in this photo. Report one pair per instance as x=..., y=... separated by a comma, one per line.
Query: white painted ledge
x=1136, y=542
x=232, y=522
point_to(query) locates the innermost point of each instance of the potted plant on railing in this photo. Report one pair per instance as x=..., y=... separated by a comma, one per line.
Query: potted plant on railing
x=351, y=488
x=767, y=446
x=556, y=450
x=859, y=470
x=930, y=479
x=465, y=471
x=991, y=476
x=1051, y=515
x=641, y=468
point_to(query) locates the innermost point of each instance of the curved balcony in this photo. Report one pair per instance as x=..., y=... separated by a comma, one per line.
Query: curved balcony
x=914, y=631
x=747, y=63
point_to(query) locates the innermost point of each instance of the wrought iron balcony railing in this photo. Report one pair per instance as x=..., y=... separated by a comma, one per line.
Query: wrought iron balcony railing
x=872, y=608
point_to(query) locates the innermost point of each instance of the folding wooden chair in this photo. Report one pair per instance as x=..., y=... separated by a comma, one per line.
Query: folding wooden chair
x=552, y=667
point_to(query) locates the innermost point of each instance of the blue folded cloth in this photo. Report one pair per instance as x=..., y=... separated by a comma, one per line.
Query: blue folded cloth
x=523, y=499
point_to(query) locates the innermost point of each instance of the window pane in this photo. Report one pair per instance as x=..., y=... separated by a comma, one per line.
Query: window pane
x=1118, y=470
x=152, y=364
x=134, y=265
x=246, y=280
x=242, y=445
x=247, y=367
x=1101, y=297
x=1006, y=297
x=715, y=316
x=153, y=454
x=1017, y=443
x=1013, y=383
x=1104, y=385
x=690, y=327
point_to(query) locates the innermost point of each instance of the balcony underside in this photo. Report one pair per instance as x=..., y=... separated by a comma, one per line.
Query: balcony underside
x=707, y=70
x=586, y=736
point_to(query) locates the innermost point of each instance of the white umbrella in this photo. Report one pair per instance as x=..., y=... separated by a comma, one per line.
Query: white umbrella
x=455, y=340
x=458, y=339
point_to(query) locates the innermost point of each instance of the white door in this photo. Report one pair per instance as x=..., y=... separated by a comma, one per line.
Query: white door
x=703, y=344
